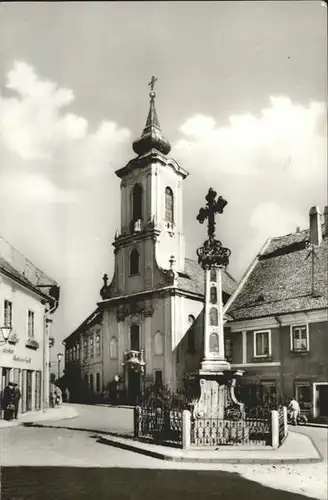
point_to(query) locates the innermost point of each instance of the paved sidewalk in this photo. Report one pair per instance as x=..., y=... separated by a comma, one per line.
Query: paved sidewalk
x=297, y=448
x=51, y=414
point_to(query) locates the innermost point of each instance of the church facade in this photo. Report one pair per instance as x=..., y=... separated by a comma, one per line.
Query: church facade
x=150, y=313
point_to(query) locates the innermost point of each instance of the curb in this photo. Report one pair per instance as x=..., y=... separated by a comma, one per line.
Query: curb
x=30, y=423
x=171, y=458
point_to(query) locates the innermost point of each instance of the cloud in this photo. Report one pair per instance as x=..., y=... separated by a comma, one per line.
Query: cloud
x=35, y=127
x=270, y=166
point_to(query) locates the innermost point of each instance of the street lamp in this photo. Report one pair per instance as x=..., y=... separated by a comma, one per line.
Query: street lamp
x=6, y=331
x=59, y=358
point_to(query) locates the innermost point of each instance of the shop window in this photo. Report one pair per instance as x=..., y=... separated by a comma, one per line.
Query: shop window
x=303, y=394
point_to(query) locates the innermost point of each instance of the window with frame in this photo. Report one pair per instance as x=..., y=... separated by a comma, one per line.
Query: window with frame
x=8, y=313
x=91, y=382
x=113, y=348
x=78, y=351
x=137, y=202
x=303, y=394
x=299, y=338
x=30, y=325
x=71, y=354
x=74, y=353
x=91, y=347
x=169, y=215
x=158, y=378
x=134, y=337
x=85, y=349
x=262, y=347
x=158, y=344
x=228, y=348
x=97, y=382
x=134, y=262
x=98, y=344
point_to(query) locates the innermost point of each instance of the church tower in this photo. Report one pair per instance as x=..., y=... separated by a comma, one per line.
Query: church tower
x=151, y=233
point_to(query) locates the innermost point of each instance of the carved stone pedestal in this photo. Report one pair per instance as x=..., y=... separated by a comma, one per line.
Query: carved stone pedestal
x=217, y=395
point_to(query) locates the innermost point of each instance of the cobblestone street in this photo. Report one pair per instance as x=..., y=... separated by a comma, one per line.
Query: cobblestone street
x=57, y=461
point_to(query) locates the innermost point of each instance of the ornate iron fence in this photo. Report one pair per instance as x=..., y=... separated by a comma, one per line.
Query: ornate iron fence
x=158, y=424
x=218, y=432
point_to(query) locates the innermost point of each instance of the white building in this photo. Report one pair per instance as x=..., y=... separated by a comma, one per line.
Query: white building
x=155, y=298
x=28, y=297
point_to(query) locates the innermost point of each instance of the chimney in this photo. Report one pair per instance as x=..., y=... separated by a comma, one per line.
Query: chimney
x=315, y=226
x=298, y=229
x=325, y=218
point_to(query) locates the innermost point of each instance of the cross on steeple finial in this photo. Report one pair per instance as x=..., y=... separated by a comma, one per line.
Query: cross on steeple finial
x=152, y=82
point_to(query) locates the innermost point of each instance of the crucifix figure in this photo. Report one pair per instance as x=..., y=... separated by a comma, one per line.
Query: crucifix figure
x=152, y=82
x=213, y=207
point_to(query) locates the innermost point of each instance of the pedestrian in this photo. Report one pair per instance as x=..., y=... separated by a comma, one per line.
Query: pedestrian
x=67, y=395
x=8, y=401
x=17, y=396
x=295, y=410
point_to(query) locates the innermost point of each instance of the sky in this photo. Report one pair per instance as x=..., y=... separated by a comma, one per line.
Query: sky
x=241, y=95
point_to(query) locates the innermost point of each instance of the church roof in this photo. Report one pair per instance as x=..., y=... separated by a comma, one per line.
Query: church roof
x=281, y=280
x=151, y=137
x=192, y=280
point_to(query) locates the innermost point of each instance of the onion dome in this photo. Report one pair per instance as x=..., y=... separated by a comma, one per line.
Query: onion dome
x=151, y=137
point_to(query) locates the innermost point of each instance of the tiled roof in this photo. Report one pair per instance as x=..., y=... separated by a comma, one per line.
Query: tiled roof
x=93, y=319
x=281, y=280
x=9, y=270
x=192, y=280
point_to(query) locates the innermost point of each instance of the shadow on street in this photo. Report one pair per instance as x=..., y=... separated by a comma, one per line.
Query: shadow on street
x=20, y=483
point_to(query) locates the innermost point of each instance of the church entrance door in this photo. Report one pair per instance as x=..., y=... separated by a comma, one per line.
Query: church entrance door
x=134, y=387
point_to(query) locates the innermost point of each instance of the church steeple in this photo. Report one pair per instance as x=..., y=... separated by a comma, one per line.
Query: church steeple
x=151, y=137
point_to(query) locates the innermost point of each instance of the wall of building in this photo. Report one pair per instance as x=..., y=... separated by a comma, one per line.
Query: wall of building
x=17, y=359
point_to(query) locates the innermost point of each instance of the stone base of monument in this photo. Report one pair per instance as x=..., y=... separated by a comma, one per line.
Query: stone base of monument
x=217, y=399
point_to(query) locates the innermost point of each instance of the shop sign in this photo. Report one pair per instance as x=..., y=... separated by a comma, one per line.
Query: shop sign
x=25, y=359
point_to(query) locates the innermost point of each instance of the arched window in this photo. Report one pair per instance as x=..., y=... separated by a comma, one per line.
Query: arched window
x=213, y=295
x=134, y=261
x=134, y=337
x=169, y=215
x=213, y=275
x=213, y=316
x=158, y=344
x=214, y=342
x=113, y=348
x=137, y=202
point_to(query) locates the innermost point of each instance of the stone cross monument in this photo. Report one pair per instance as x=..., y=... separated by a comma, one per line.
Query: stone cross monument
x=217, y=380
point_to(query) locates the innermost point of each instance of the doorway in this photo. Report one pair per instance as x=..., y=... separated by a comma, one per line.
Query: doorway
x=134, y=386
x=323, y=400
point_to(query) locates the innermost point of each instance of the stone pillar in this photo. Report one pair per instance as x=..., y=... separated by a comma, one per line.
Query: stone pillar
x=274, y=429
x=214, y=356
x=186, y=429
x=285, y=421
